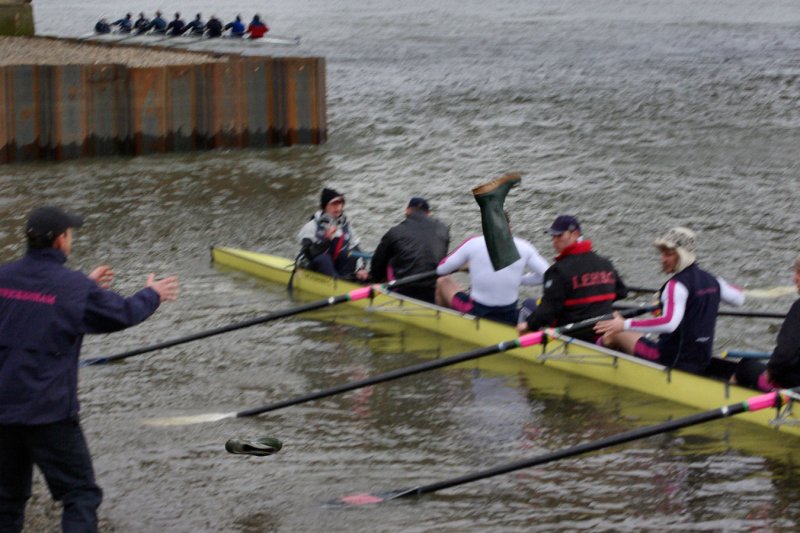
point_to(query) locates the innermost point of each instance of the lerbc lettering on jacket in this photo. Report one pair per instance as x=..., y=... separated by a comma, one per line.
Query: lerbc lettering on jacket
x=579, y=285
x=594, y=278
x=45, y=310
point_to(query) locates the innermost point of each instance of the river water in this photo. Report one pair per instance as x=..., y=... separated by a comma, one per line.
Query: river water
x=635, y=116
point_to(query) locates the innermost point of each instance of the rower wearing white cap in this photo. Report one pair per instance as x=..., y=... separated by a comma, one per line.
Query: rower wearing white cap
x=689, y=305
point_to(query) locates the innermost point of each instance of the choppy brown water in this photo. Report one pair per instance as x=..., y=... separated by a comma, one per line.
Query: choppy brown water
x=635, y=116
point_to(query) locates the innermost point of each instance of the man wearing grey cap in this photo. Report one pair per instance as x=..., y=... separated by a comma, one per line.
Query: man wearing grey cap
x=45, y=310
x=414, y=246
x=689, y=305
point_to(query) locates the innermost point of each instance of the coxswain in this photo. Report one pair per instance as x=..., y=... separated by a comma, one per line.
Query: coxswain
x=327, y=240
x=257, y=29
x=237, y=27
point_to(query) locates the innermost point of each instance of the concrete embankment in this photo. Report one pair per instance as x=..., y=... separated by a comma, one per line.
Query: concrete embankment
x=63, y=99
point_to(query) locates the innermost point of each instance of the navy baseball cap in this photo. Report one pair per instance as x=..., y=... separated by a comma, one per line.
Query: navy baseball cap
x=51, y=221
x=419, y=203
x=564, y=223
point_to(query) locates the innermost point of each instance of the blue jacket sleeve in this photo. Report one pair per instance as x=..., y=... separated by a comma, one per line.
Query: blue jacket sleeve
x=107, y=311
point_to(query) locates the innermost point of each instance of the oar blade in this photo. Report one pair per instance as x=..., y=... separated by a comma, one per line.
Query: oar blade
x=369, y=498
x=771, y=292
x=186, y=420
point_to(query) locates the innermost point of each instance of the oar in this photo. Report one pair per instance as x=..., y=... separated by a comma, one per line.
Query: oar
x=352, y=296
x=627, y=312
x=769, y=292
x=742, y=354
x=529, y=339
x=756, y=403
x=526, y=340
x=723, y=312
x=641, y=289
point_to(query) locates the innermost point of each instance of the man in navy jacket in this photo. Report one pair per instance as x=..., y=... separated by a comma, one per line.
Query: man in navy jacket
x=45, y=310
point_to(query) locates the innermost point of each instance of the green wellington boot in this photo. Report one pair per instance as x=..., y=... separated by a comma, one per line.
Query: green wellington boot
x=490, y=197
x=253, y=445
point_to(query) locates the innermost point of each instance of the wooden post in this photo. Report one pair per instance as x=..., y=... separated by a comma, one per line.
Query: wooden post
x=16, y=17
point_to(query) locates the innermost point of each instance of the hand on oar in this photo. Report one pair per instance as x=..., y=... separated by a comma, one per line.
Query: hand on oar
x=756, y=403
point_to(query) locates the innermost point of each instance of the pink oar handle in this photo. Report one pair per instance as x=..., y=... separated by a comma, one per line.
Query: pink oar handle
x=764, y=401
x=360, y=294
x=530, y=339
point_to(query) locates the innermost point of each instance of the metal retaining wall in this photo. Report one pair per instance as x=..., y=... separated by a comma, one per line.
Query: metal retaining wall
x=51, y=112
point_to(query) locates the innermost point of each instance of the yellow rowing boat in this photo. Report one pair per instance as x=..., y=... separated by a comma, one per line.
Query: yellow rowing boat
x=560, y=352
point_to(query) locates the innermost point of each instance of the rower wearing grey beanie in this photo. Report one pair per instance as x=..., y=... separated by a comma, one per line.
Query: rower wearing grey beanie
x=327, y=240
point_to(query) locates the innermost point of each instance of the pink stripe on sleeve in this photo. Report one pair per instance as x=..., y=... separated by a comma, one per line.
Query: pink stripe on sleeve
x=666, y=315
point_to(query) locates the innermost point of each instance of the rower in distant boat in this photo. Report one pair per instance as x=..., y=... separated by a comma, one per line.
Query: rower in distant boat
x=257, y=29
x=237, y=27
x=102, y=27
x=125, y=24
x=689, y=305
x=196, y=27
x=213, y=27
x=158, y=25
x=142, y=24
x=176, y=26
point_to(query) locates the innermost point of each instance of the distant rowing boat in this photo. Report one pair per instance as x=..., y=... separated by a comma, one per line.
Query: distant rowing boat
x=188, y=40
x=562, y=353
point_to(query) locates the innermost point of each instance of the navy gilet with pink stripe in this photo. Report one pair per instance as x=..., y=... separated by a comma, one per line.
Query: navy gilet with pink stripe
x=689, y=346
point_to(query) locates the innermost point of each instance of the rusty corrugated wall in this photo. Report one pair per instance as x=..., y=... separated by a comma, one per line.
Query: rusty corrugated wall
x=55, y=112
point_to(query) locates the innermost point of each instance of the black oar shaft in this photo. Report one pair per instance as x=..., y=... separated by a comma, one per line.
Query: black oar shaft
x=223, y=329
x=409, y=279
x=641, y=289
x=526, y=340
x=749, y=314
x=386, y=376
x=628, y=312
x=753, y=314
x=613, y=440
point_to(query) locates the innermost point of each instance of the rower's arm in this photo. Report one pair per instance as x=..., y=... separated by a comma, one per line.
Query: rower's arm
x=730, y=294
x=673, y=306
